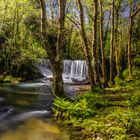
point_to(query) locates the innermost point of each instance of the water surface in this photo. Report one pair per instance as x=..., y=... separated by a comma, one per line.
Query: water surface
x=25, y=112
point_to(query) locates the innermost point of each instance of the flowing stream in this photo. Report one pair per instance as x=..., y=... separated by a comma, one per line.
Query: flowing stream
x=25, y=113
x=26, y=108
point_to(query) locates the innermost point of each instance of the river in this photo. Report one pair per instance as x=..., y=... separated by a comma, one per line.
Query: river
x=26, y=112
x=26, y=108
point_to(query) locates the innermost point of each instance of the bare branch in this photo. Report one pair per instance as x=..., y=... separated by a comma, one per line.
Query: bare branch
x=75, y=23
x=135, y=13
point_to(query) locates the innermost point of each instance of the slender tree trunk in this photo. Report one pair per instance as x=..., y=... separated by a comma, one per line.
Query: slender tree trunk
x=58, y=68
x=85, y=45
x=44, y=35
x=69, y=43
x=106, y=31
x=132, y=15
x=130, y=43
x=117, y=46
x=101, y=44
x=112, y=43
x=95, y=59
x=52, y=11
x=43, y=17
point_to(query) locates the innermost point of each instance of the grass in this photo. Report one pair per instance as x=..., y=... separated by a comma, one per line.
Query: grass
x=113, y=113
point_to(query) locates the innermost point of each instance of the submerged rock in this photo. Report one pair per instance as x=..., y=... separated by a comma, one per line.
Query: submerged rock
x=80, y=81
x=1, y=99
x=6, y=111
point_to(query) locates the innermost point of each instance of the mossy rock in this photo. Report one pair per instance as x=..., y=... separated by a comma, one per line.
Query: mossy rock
x=11, y=79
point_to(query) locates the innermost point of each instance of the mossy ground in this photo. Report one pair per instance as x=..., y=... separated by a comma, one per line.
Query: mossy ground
x=112, y=113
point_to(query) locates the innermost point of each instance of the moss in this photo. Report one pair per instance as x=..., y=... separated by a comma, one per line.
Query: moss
x=103, y=116
x=11, y=79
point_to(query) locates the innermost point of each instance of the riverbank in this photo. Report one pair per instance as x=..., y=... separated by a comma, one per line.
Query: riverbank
x=112, y=113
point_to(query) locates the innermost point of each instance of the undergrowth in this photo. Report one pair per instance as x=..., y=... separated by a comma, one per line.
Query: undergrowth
x=100, y=117
x=107, y=114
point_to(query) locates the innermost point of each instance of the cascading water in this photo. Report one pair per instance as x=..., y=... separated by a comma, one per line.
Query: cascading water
x=73, y=70
x=44, y=66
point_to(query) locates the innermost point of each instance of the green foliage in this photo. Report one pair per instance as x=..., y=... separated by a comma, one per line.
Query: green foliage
x=119, y=81
x=98, y=117
x=128, y=120
x=136, y=73
x=125, y=73
x=73, y=48
x=131, y=82
x=133, y=100
x=137, y=61
x=11, y=79
x=94, y=100
x=19, y=46
x=78, y=109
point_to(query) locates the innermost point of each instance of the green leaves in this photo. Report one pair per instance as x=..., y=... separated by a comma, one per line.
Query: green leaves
x=78, y=109
x=98, y=117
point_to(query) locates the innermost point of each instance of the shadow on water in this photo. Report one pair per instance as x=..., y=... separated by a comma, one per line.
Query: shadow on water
x=25, y=112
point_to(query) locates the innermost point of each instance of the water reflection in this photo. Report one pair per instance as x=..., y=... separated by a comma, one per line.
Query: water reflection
x=36, y=129
x=23, y=109
x=20, y=102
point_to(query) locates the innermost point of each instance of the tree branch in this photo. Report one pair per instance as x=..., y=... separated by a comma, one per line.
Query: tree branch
x=72, y=21
x=135, y=13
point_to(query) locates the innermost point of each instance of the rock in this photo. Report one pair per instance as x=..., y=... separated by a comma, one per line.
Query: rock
x=1, y=99
x=80, y=81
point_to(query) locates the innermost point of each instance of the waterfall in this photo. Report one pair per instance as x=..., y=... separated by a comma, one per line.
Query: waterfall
x=73, y=70
x=44, y=66
x=78, y=69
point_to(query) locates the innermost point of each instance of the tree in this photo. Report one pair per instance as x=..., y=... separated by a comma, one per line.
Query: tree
x=85, y=46
x=131, y=16
x=112, y=43
x=16, y=40
x=102, y=44
x=95, y=58
x=117, y=45
x=55, y=52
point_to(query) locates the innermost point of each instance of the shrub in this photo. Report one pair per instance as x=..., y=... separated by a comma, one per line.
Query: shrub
x=127, y=120
x=133, y=100
x=118, y=81
x=68, y=109
x=137, y=61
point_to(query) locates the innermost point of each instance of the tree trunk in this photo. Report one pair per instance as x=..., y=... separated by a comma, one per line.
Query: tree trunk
x=132, y=15
x=85, y=45
x=95, y=59
x=101, y=44
x=52, y=12
x=112, y=44
x=130, y=43
x=58, y=68
x=55, y=53
x=117, y=45
x=106, y=31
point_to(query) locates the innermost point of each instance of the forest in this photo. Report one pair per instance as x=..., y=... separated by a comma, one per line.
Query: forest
x=71, y=67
